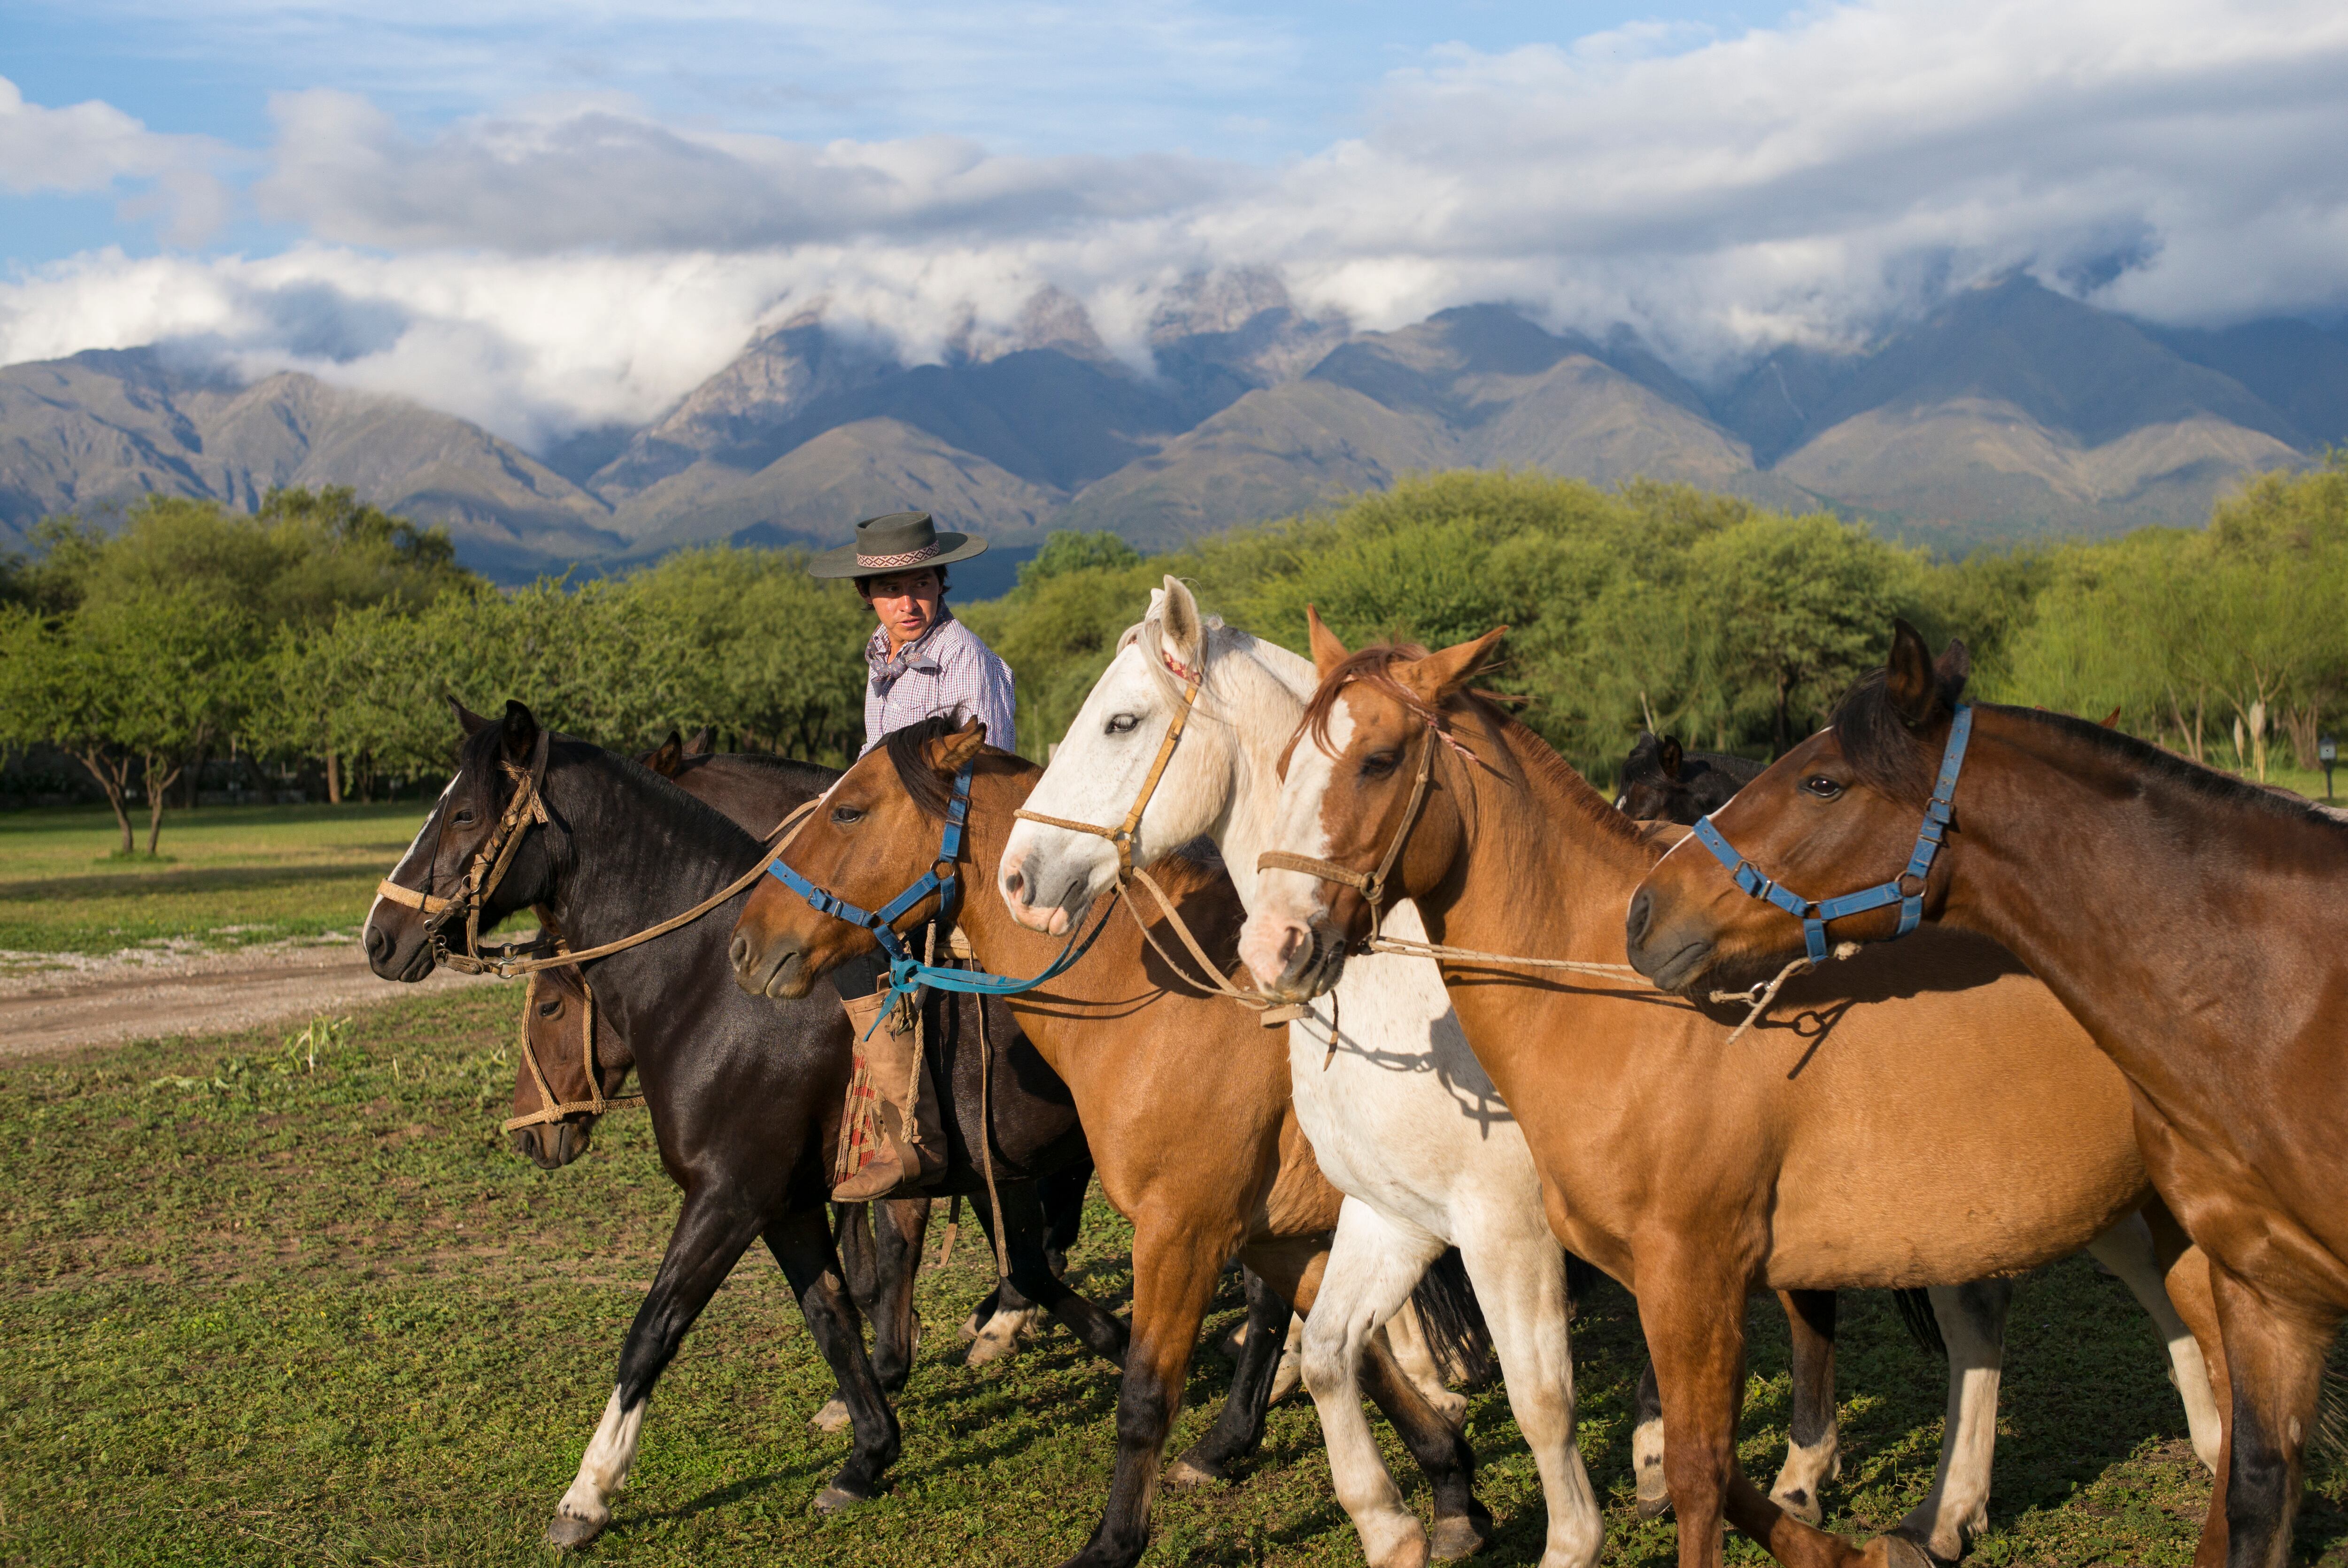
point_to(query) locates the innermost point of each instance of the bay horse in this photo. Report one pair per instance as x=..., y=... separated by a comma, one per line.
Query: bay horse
x=743, y=1097
x=1185, y=1099
x=1918, y=1118
x=2191, y=922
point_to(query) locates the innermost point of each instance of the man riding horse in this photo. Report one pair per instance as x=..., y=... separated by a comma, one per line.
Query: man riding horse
x=923, y=662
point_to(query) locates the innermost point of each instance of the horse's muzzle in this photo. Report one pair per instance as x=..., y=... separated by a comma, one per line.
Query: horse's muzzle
x=770, y=969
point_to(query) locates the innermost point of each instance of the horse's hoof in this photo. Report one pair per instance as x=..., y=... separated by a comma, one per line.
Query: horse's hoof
x=569, y=1533
x=1182, y=1475
x=1898, y=1552
x=833, y=1420
x=1654, y=1507
x=837, y=1499
x=1460, y=1535
x=990, y=1347
x=1801, y=1505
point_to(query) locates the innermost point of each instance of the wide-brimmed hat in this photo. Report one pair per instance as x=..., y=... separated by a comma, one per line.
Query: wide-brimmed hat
x=902, y=541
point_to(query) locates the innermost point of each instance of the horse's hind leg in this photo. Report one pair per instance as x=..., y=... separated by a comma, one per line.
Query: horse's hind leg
x=2129, y=1250
x=1521, y=1285
x=708, y=1238
x=802, y=1245
x=1814, y=1445
x=1973, y=1325
x=899, y=1227
x=1033, y=1282
x=1372, y=1263
x=1240, y=1425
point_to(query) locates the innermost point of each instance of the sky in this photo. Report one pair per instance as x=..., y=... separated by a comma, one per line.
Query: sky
x=545, y=218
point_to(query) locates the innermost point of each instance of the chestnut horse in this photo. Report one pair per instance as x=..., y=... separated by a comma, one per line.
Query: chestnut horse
x=2191, y=922
x=1184, y=1097
x=1926, y=1118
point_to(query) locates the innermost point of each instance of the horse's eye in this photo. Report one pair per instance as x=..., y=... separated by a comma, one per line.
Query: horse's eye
x=846, y=815
x=549, y=1009
x=1123, y=724
x=464, y=817
x=1822, y=786
x=1378, y=764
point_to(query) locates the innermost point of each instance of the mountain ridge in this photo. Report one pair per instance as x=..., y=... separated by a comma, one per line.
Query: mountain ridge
x=2012, y=411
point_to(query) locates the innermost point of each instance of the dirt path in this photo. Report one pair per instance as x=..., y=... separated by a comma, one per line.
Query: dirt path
x=54, y=1002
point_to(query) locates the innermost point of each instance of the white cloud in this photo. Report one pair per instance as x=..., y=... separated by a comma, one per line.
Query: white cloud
x=576, y=260
x=94, y=145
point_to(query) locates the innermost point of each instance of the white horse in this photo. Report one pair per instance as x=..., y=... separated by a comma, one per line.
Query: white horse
x=1405, y=1122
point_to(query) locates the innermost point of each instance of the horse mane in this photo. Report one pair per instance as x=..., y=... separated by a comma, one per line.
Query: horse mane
x=814, y=776
x=1884, y=755
x=1373, y=667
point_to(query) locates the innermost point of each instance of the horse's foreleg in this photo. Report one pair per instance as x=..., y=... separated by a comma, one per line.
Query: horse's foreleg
x=899, y=1227
x=2129, y=1250
x=1814, y=1443
x=1462, y=1523
x=711, y=1234
x=1692, y=1314
x=2275, y=1358
x=802, y=1245
x=1972, y=1326
x=1373, y=1265
x=1176, y=1263
x=1520, y=1283
x=1239, y=1427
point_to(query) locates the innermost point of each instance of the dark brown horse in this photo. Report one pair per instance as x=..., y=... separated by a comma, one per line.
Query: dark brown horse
x=2191, y=922
x=1663, y=783
x=1925, y=1117
x=1185, y=1099
x=743, y=1097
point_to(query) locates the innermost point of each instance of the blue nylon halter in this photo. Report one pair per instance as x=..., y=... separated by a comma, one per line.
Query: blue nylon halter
x=908, y=973
x=1814, y=916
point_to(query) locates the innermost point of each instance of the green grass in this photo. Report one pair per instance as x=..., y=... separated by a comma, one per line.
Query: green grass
x=258, y=1313
x=226, y=875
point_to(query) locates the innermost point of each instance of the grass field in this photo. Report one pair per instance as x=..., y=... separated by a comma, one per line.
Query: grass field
x=262, y=1312
x=227, y=876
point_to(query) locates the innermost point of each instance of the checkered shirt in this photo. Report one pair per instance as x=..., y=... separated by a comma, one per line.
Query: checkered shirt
x=947, y=671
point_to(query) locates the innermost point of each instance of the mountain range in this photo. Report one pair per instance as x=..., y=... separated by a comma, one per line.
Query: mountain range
x=2010, y=412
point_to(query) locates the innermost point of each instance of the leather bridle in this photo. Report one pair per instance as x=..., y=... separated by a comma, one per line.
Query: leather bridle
x=483, y=875
x=1371, y=886
x=1122, y=835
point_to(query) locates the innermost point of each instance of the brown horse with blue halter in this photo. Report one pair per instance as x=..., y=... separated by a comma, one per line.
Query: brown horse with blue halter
x=2190, y=921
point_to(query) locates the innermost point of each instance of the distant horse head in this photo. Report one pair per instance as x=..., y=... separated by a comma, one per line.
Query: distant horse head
x=446, y=874
x=556, y=1027
x=1661, y=783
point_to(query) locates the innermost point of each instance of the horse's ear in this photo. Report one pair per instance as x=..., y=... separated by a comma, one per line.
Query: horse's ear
x=1182, y=630
x=1327, y=652
x=947, y=753
x=2112, y=720
x=703, y=740
x=472, y=723
x=1668, y=756
x=665, y=757
x=1911, y=682
x=1438, y=675
x=519, y=737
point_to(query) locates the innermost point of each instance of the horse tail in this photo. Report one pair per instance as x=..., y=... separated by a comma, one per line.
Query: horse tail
x=1922, y=1324
x=1451, y=1318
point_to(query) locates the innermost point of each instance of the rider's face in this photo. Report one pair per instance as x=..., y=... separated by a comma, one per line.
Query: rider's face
x=906, y=603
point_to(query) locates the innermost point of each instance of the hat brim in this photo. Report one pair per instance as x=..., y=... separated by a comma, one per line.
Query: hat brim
x=842, y=562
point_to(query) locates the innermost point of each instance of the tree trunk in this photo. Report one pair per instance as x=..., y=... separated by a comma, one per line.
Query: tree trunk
x=334, y=779
x=2300, y=724
x=158, y=788
x=112, y=778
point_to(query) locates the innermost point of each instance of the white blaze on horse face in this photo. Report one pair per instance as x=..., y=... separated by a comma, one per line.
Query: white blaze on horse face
x=413, y=845
x=1288, y=902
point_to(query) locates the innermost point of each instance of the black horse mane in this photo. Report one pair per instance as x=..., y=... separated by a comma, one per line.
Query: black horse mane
x=1886, y=756
x=929, y=789
x=815, y=776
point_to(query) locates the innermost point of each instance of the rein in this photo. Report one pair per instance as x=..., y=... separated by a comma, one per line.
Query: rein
x=1907, y=889
x=908, y=974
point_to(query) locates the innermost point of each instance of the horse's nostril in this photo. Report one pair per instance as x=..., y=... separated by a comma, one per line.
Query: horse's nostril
x=1641, y=917
x=1289, y=941
x=378, y=943
x=739, y=950
x=1014, y=883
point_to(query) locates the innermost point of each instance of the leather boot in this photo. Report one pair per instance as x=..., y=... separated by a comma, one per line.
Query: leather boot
x=903, y=1149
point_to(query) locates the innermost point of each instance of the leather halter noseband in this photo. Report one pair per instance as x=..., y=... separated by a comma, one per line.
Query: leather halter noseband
x=1907, y=889
x=1372, y=886
x=1122, y=835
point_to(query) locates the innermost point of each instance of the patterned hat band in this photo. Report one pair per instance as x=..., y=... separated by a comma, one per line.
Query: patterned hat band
x=903, y=557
